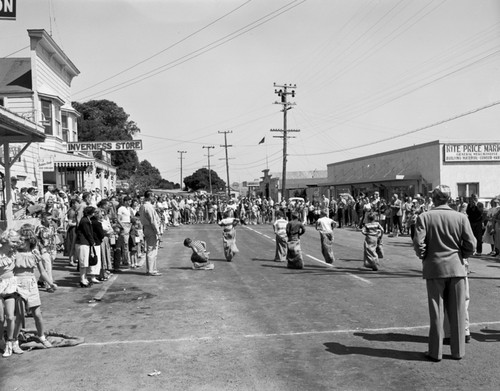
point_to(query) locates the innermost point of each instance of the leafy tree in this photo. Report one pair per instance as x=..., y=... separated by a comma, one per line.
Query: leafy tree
x=165, y=184
x=200, y=180
x=104, y=120
x=145, y=177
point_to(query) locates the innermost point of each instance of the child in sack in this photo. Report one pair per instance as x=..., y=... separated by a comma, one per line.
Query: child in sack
x=373, y=232
x=200, y=254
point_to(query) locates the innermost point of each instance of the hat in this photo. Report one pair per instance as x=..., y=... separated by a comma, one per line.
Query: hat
x=13, y=178
x=441, y=192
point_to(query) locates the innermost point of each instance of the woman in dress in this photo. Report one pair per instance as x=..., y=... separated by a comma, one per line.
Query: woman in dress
x=106, y=258
x=489, y=232
x=69, y=243
x=84, y=242
x=229, y=235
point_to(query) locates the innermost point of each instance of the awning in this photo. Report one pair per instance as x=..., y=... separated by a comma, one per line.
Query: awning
x=62, y=159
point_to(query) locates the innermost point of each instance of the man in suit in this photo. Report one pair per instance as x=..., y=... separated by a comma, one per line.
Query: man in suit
x=443, y=239
x=151, y=225
x=475, y=214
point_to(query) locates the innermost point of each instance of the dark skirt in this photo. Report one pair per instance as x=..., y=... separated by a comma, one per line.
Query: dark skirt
x=69, y=242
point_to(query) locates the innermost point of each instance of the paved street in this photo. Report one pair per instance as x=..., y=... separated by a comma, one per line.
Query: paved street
x=252, y=324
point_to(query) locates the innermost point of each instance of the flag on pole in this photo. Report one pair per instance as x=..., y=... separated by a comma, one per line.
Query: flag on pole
x=262, y=141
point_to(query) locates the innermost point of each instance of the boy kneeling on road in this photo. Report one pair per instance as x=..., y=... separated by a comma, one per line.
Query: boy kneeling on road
x=200, y=254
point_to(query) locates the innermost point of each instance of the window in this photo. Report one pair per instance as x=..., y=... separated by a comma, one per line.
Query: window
x=2, y=103
x=57, y=117
x=467, y=189
x=65, y=129
x=47, y=116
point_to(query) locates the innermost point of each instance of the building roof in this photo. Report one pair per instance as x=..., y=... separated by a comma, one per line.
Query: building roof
x=16, y=129
x=314, y=174
x=15, y=75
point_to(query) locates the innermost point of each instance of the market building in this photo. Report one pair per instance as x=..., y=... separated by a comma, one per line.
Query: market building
x=38, y=88
x=308, y=184
x=466, y=167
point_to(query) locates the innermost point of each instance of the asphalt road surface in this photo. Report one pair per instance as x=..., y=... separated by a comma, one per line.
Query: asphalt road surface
x=253, y=324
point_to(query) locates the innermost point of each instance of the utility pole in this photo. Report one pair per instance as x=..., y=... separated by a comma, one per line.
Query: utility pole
x=181, y=152
x=227, y=160
x=209, y=172
x=283, y=93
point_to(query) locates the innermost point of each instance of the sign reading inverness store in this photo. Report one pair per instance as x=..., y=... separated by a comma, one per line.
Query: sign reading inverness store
x=95, y=146
x=8, y=9
x=473, y=152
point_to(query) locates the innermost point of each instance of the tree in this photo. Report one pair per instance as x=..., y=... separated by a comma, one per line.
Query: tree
x=200, y=180
x=103, y=120
x=165, y=184
x=145, y=177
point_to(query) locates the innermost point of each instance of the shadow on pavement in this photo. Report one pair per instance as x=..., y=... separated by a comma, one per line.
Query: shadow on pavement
x=393, y=337
x=486, y=335
x=343, y=350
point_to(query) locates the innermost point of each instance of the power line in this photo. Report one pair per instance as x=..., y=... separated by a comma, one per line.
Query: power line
x=196, y=53
x=167, y=48
x=409, y=132
x=17, y=51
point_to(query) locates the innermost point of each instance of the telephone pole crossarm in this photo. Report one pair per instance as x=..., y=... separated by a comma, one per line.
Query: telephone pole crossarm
x=283, y=91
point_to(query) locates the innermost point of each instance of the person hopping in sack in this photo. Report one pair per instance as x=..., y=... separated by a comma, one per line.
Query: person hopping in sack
x=200, y=254
x=373, y=232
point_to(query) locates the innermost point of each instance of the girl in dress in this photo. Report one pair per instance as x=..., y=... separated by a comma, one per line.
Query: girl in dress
x=27, y=258
x=8, y=292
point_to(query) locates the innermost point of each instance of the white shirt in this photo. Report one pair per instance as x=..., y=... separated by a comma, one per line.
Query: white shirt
x=325, y=224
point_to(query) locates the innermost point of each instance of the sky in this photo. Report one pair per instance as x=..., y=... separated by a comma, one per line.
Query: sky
x=371, y=75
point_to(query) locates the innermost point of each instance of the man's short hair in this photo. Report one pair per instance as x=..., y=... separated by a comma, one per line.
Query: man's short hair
x=441, y=193
x=126, y=198
x=148, y=193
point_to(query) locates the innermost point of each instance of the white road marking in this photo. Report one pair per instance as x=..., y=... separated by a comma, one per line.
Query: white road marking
x=316, y=259
x=290, y=334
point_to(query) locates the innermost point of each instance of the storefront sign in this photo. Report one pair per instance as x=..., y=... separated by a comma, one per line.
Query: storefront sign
x=96, y=146
x=46, y=164
x=8, y=9
x=487, y=152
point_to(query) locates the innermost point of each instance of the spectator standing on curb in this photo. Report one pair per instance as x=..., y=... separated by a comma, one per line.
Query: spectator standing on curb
x=443, y=239
x=397, y=216
x=151, y=226
x=125, y=215
x=474, y=212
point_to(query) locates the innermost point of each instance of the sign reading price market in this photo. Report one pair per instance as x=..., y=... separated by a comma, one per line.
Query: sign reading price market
x=487, y=152
x=96, y=146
